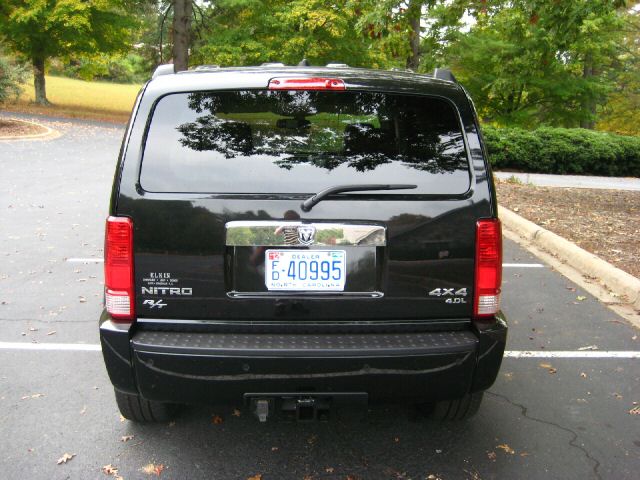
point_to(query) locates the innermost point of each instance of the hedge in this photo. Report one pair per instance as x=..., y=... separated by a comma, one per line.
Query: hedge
x=562, y=151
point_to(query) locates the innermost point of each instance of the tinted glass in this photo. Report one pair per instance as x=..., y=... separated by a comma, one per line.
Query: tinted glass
x=302, y=142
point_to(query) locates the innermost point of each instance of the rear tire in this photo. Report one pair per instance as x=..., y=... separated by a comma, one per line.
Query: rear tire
x=458, y=408
x=138, y=409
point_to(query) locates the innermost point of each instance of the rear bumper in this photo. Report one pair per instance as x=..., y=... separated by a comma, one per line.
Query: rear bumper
x=213, y=367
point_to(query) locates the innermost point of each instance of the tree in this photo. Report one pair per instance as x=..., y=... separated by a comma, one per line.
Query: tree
x=407, y=29
x=621, y=112
x=249, y=32
x=527, y=62
x=182, y=14
x=38, y=30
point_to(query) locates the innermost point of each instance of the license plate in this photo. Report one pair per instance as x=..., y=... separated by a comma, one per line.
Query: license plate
x=312, y=270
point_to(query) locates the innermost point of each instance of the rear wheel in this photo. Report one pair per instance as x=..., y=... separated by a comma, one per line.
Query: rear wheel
x=458, y=408
x=138, y=409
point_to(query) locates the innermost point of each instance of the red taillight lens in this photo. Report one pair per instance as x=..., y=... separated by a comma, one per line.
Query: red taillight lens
x=118, y=268
x=306, y=84
x=488, y=268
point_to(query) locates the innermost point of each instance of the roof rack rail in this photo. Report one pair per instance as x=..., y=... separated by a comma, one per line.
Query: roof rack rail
x=165, y=69
x=337, y=65
x=272, y=64
x=444, y=74
x=199, y=68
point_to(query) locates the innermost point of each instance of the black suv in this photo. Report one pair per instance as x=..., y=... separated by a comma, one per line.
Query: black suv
x=300, y=237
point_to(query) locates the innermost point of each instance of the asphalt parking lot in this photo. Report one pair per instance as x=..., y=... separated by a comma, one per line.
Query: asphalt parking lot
x=566, y=410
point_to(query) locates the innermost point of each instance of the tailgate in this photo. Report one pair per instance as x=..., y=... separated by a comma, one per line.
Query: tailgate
x=220, y=233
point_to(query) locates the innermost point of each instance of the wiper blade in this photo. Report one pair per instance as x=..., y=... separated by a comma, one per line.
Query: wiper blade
x=308, y=204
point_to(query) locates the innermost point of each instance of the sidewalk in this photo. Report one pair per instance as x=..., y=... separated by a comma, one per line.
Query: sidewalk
x=574, y=181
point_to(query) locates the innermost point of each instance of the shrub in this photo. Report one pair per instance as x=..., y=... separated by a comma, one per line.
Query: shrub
x=132, y=68
x=12, y=75
x=563, y=151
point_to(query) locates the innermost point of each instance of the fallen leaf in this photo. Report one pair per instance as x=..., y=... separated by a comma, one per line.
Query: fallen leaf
x=491, y=456
x=396, y=439
x=35, y=395
x=588, y=347
x=549, y=367
x=581, y=298
x=236, y=412
x=635, y=410
x=274, y=449
x=152, y=469
x=524, y=454
x=329, y=469
x=255, y=477
x=65, y=458
x=216, y=420
x=506, y=448
x=122, y=419
x=109, y=470
x=618, y=396
x=126, y=438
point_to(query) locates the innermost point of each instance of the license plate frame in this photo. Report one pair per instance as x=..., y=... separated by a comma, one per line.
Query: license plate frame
x=278, y=276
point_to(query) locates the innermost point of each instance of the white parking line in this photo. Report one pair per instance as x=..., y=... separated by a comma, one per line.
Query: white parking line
x=523, y=265
x=69, y=347
x=85, y=260
x=94, y=347
x=572, y=354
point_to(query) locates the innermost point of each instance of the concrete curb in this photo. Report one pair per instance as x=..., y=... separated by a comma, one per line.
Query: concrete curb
x=586, y=263
x=47, y=134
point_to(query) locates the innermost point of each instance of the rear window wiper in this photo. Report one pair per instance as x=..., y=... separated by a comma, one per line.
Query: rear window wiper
x=308, y=204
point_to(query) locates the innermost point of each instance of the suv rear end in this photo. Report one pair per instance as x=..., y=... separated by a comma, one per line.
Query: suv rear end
x=297, y=237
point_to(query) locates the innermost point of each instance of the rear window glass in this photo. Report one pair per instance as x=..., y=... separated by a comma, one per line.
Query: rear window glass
x=258, y=141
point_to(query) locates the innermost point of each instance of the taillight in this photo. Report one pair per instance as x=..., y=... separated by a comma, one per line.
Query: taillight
x=306, y=84
x=488, y=268
x=118, y=268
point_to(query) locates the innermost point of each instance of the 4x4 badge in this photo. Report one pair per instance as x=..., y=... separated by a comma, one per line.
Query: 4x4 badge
x=306, y=234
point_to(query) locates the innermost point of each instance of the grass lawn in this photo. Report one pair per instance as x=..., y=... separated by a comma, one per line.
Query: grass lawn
x=80, y=99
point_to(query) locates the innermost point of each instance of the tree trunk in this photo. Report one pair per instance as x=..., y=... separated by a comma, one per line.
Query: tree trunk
x=415, y=13
x=182, y=10
x=38, y=81
x=589, y=103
